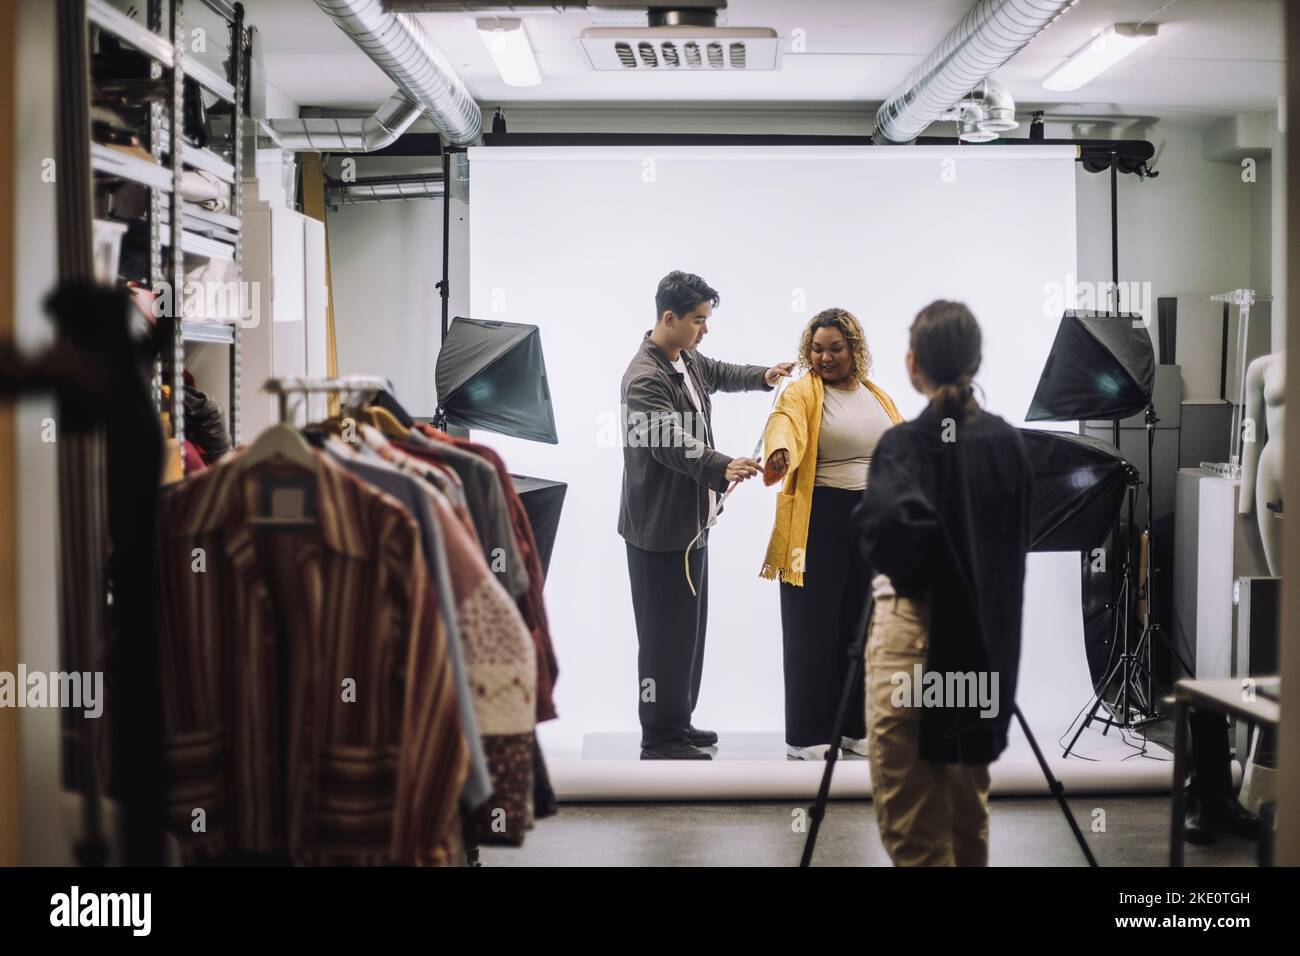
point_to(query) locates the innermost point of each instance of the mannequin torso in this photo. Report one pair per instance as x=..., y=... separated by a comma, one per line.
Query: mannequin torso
x=1261, y=476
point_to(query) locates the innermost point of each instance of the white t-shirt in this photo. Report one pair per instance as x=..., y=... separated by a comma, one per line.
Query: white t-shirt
x=680, y=366
x=852, y=423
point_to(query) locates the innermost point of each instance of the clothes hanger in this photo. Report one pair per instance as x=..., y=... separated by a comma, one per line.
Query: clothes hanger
x=282, y=443
x=388, y=423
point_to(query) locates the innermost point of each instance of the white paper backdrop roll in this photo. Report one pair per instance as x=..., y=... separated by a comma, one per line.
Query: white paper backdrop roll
x=575, y=241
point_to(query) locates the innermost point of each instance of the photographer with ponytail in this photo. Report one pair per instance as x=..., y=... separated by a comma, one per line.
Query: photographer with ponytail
x=945, y=525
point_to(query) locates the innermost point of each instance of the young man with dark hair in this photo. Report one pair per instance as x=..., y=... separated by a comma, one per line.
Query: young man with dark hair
x=672, y=479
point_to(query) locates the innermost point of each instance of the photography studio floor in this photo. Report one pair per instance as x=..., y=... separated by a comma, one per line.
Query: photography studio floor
x=1024, y=831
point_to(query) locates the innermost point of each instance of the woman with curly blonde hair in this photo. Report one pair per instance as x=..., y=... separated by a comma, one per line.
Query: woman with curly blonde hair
x=820, y=439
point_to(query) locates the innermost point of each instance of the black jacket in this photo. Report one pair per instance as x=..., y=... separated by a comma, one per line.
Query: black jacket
x=669, y=463
x=948, y=522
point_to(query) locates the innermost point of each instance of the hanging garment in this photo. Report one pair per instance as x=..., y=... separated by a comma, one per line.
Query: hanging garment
x=489, y=508
x=502, y=664
x=408, y=491
x=532, y=604
x=309, y=699
x=500, y=656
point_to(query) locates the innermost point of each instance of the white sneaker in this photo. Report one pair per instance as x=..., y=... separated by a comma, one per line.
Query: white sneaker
x=815, y=752
x=855, y=745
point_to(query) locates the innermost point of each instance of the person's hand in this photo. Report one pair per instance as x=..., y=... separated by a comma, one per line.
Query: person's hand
x=778, y=372
x=738, y=469
x=778, y=462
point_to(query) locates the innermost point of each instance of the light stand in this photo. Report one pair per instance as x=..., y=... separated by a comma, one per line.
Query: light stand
x=1133, y=701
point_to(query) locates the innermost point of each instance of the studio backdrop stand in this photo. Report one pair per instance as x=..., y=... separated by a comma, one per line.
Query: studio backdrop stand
x=1130, y=679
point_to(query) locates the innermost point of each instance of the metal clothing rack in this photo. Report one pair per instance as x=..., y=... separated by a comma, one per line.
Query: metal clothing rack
x=360, y=386
x=184, y=223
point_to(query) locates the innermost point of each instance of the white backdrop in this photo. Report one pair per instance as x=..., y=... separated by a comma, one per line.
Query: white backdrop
x=575, y=241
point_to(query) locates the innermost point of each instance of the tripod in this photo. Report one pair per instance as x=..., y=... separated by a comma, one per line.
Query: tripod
x=857, y=661
x=1131, y=675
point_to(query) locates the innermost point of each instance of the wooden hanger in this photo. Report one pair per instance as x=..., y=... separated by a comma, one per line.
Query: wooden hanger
x=388, y=423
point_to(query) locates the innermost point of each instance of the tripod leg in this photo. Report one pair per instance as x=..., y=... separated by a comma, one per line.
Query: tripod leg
x=1055, y=786
x=857, y=653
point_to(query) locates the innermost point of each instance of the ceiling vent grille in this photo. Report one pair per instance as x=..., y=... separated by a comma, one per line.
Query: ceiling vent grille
x=681, y=49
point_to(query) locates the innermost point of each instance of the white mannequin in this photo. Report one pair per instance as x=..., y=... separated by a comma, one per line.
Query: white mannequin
x=1261, y=466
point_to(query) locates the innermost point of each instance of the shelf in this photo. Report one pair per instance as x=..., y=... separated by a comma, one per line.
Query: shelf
x=130, y=31
x=222, y=220
x=194, y=244
x=199, y=221
x=208, y=79
x=196, y=157
x=209, y=162
x=212, y=333
x=113, y=162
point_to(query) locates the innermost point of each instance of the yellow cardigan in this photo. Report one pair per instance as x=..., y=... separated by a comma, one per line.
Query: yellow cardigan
x=794, y=426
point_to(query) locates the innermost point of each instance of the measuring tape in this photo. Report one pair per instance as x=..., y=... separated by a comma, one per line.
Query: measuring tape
x=758, y=450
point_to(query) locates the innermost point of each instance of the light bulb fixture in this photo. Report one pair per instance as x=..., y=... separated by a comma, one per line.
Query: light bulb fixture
x=508, y=45
x=1100, y=53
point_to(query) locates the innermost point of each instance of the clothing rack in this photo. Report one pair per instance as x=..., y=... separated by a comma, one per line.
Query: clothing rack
x=181, y=228
x=359, y=385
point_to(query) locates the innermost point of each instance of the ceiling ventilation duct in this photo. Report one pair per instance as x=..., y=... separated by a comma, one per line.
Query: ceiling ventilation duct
x=680, y=35
x=398, y=45
x=986, y=38
x=681, y=41
x=983, y=114
x=384, y=189
x=682, y=49
x=376, y=131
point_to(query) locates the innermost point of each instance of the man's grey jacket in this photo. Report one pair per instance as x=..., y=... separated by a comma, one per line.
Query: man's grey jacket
x=669, y=463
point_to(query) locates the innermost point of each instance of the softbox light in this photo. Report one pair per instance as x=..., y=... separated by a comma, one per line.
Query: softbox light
x=1100, y=367
x=492, y=375
x=1079, y=486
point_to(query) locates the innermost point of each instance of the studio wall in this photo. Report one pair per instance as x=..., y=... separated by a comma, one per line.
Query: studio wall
x=385, y=262
x=575, y=240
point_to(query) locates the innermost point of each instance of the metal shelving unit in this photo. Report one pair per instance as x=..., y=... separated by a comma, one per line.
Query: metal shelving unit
x=175, y=224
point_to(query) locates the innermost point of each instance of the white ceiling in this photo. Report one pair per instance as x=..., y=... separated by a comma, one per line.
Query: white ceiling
x=1211, y=57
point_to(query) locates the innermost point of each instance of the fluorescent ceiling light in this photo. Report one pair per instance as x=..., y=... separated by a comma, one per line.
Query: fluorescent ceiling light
x=1102, y=52
x=508, y=45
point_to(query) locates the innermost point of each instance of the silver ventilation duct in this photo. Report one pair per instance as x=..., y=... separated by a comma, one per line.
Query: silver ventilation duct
x=986, y=38
x=399, y=46
x=384, y=189
x=983, y=114
x=374, y=132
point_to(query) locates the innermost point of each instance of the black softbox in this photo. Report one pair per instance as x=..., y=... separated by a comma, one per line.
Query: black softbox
x=1101, y=366
x=492, y=375
x=1079, y=486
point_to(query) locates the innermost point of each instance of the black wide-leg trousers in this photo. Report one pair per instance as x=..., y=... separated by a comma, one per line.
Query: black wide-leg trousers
x=818, y=622
x=670, y=625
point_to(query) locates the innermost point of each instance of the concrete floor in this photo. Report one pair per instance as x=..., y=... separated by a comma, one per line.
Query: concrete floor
x=1023, y=832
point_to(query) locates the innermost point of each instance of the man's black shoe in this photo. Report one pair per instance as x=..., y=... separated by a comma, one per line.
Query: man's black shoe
x=674, y=750
x=701, y=738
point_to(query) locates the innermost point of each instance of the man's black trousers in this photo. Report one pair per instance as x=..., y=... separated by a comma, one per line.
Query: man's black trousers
x=670, y=624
